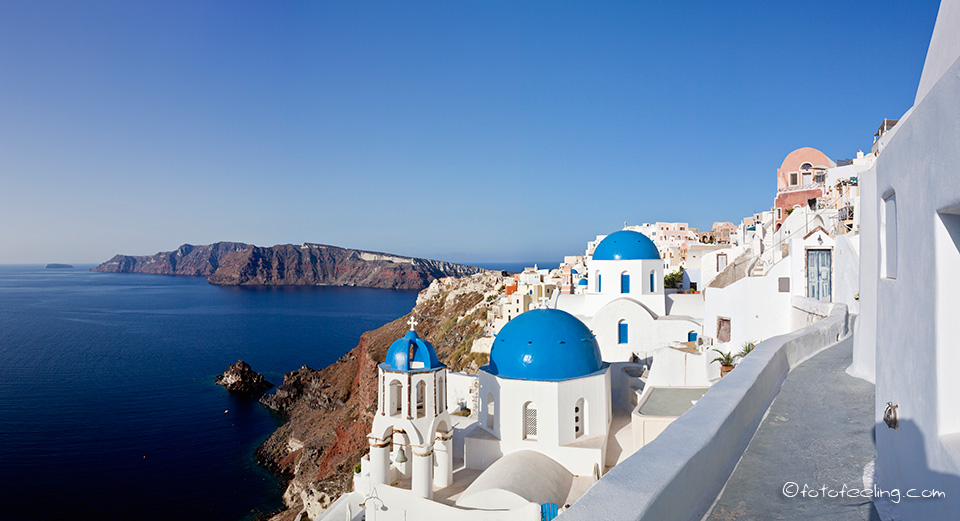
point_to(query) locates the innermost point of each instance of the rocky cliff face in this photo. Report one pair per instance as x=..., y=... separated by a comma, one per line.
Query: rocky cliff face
x=315, y=264
x=188, y=259
x=330, y=411
x=237, y=264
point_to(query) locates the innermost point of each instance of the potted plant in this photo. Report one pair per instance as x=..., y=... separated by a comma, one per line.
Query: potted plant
x=726, y=361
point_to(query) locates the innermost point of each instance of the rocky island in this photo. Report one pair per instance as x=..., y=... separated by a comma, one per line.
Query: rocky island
x=329, y=412
x=241, y=379
x=239, y=264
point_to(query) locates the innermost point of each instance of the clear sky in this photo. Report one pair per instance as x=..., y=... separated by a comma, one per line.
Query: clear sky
x=480, y=131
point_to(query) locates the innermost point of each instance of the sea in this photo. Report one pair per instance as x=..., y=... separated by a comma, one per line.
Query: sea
x=108, y=407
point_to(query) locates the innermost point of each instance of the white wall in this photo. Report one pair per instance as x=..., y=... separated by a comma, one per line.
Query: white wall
x=917, y=359
x=678, y=475
x=555, y=401
x=754, y=305
x=865, y=340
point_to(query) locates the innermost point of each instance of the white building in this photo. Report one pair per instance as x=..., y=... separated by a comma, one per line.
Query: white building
x=625, y=303
x=910, y=288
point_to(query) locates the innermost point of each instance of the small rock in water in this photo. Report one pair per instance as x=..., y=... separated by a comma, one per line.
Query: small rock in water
x=240, y=378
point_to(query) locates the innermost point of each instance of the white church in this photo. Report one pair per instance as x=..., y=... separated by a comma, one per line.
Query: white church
x=625, y=302
x=556, y=409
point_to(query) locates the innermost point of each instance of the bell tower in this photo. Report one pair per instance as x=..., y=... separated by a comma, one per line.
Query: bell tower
x=412, y=425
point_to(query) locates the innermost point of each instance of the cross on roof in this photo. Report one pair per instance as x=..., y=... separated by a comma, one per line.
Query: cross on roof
x=412, y=322
x=543, y=302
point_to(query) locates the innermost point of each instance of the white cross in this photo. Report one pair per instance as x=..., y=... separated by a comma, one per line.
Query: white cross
x=543, y=302
x=412, y=322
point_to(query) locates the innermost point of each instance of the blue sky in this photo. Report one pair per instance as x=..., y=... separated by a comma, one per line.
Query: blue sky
x=466, y=131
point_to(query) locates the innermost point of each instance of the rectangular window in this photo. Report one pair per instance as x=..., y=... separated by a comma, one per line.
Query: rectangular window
x=625, y=283
x=793, y=179
x=622, y=333
x=723, y=329
x=888, y=237
x=721, y=262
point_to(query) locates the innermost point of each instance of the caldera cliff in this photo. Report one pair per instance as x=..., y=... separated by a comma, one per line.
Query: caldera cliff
x=329, y=411
x=238, y=264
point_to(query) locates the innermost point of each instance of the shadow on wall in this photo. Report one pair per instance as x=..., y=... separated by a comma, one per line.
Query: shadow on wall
x=893, y=483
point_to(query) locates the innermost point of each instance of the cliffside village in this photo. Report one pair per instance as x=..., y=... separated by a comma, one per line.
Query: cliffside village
x=608, y=392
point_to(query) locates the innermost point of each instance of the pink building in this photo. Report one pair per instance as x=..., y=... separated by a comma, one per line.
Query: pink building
x=800, y=178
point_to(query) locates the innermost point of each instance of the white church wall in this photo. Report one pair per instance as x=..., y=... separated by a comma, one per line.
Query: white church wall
x=394, y=504
x=555, y=402
x=917, y=299
x=644, y=334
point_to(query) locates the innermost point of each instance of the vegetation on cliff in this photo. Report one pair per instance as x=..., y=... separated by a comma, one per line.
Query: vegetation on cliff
x=329, y=411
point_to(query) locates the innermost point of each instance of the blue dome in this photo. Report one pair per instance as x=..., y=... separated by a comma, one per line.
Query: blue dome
x=582, y=282
x=626, y=245
x=544, y=344
x=575, y=272
x=411, y=354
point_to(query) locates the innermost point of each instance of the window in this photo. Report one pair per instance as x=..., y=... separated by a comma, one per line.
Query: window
x=779, y=213
x=529, y=421
x=723, y=329
x=624, y=283
x=421, y=399
x=721, y=262
x=622, y=332
x=441, y=395
x=888, y=236
x=806, y=166
x=653, y=281
x=598, y=283
x=793, y=179
x=396, y=405
x=491, y=410
x=579, y=413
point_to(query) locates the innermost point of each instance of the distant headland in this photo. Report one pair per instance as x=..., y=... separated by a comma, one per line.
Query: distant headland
x=54, y=265
x=239, y=264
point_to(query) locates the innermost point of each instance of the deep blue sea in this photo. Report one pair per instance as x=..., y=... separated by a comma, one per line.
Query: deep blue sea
x=108, y=407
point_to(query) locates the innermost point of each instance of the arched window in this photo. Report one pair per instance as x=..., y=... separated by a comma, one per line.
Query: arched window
x=396, y=391
x=598, y=283
x=529, y=421
x=624, y=282
x=491, y=410
x=653, y=281
x=622, y=332
x=579, y=414
x=421, y=399
x=441, y=395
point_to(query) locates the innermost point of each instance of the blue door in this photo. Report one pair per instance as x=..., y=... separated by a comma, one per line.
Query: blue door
x=548, y=511
x=625, y=283
x=819, y=285
x=622, y=333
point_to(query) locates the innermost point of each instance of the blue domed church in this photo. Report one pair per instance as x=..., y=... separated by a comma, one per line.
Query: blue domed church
x=624, y=303
x=545, y=389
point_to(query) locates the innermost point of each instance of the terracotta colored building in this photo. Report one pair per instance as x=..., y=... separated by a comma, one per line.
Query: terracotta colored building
x=800, y=178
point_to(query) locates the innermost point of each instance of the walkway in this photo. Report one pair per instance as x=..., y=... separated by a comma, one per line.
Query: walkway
x=818, y=431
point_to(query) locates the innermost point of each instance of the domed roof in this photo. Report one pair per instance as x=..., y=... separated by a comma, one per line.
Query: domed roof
x=411, y=354
x=575, y=272
x=544, y=344
x=582, y=282
x=626, y=245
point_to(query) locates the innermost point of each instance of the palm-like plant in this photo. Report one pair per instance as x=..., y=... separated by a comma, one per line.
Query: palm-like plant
x=747, y=347
x=726, y=359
